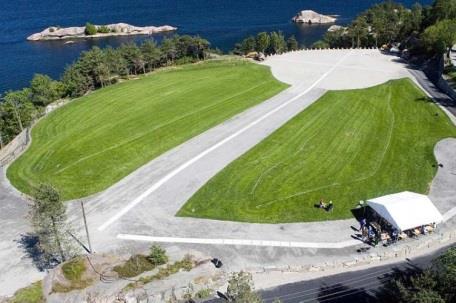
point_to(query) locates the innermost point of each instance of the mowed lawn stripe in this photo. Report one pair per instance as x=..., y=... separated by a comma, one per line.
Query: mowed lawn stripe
x=346, y=147
x=95, y=141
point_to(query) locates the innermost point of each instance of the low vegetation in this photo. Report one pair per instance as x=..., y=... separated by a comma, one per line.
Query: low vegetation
x=348, y=146
x=128, y=124
x=134, y=266
x=30, y=294
x=137, y=264
x=185, y=264
x=74, y=273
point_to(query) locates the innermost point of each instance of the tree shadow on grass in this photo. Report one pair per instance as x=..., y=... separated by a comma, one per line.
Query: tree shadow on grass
x=30, y=243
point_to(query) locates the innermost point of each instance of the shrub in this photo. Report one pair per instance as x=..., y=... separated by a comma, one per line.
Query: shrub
x=90, y=29
x=29, y=294
x=136, y=265
x=74, y=269
x=103, y=29
x=157, y=255
x=204, y=293
x=73, y=272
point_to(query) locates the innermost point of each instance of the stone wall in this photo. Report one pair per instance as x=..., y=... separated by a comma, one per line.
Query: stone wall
x=13, y=149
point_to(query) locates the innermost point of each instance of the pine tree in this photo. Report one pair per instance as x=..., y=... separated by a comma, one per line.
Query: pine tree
x=49, y=219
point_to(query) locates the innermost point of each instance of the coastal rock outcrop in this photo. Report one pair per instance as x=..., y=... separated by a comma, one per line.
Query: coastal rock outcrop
x=117, y=29
x=310, y=17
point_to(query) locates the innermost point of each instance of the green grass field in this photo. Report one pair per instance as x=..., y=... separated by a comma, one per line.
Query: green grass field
x=95, y=141
x=346, y=147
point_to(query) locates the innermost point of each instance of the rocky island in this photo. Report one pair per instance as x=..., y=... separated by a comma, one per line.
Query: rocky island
x=96, y=31
x=310, y=17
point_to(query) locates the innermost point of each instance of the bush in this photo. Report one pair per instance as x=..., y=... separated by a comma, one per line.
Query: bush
x=204, y=293
x=134, y=266
x=320, y=44
x=103, y=29
x=74, y=269
x=90, y=29
x=157, y=255
x=29, y=294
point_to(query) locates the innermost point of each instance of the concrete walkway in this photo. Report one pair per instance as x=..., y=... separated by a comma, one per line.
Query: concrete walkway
x=17, y=267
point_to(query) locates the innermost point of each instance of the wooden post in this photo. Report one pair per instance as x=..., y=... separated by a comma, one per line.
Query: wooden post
x=86, y=227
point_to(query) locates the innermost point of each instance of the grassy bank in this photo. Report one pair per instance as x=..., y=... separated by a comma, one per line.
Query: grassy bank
x=348, y=146
x=97, y=140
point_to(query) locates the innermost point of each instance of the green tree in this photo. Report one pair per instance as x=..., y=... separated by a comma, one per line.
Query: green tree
x=116, y=63
x=151, y=54
x=76, y=83
x=49, y=221
x=248, y=45
x=16, y=113
x=440, y=37
x=445, y=269
x=44, y=90
x=292, y=43
x=90, y=29
x=358, y=31
x=240, y=288
x=443, y=9
x=277, y=43
x=262, y=42
x=134, y=58
x=168, y=50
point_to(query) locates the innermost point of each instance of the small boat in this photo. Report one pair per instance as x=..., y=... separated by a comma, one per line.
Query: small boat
x=69, y=42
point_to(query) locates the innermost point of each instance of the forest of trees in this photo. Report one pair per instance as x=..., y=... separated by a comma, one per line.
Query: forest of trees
x=425, y=30
x=94, y=69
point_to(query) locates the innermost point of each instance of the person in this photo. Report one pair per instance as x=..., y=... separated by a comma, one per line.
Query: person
x=330, y=206
x=395, y=235
x=322, y=203
x=362, y=223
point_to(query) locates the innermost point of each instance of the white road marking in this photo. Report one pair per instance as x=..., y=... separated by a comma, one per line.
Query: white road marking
x=241, y=242
x=176, y=171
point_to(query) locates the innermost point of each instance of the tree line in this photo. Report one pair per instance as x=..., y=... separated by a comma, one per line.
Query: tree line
x=424, y=30
x=94, y=69
x=266, y=43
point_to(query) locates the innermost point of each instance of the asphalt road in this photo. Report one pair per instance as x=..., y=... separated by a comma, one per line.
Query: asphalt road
x=438, y=95
x=354, y=286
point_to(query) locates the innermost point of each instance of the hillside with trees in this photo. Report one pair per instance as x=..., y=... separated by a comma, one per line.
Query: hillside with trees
x=422, y=30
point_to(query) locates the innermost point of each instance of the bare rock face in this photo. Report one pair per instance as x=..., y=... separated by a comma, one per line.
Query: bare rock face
x=335, y=28
x=118, y=29
x=310, y=17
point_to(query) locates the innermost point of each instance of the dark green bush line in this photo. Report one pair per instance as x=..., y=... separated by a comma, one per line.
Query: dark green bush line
x=94, y=69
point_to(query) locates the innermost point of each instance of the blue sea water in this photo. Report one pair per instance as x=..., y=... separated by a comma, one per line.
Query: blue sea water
x=222, y=22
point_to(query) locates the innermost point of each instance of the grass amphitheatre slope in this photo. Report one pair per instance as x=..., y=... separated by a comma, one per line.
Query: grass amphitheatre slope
x=97, y=140
x=348, y=146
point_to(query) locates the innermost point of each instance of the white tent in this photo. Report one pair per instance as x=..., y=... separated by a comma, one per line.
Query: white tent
x=406, y=210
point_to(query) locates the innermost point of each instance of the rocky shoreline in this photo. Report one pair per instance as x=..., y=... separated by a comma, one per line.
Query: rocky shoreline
x=78, y=32
x=311, y=17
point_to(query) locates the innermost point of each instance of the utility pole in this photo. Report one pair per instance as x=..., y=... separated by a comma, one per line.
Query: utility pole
x=86, y=227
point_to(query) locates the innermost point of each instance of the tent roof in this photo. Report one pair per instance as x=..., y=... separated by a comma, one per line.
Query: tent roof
x=406, y=210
